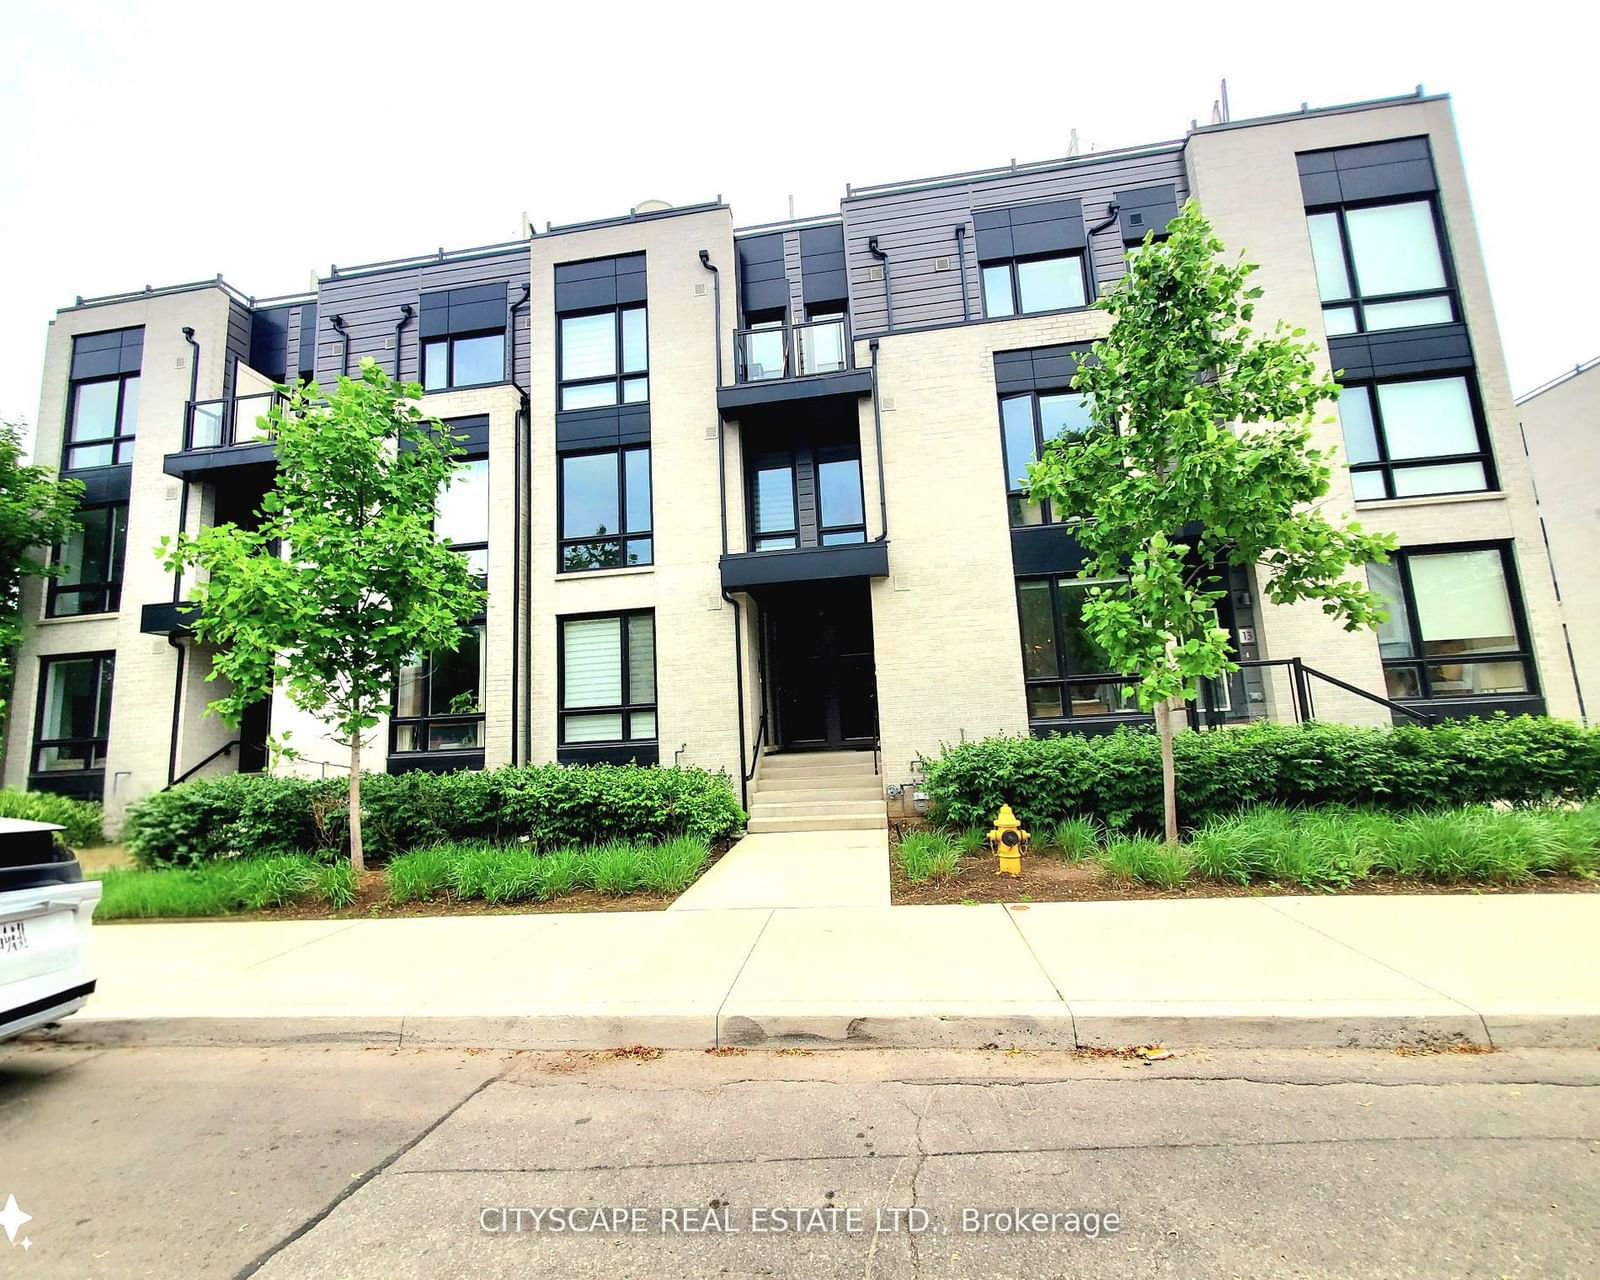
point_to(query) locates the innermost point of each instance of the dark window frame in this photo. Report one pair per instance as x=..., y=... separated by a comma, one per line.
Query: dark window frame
x=1010, y=264
x=627, y=708
x=117, y=439
x=427, y=719
x=618, y=378
x=1016, y=497
x=1386, y=466
x=621, y=536
x=764, y=462
x=110, y=590
x=821, y=457
x=448, y=342
x=1358, y=301
x=1419, y=664
x=97, y=743
x=1063, y=680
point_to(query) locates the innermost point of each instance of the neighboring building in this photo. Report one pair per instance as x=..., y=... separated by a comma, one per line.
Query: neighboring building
x=739, y=492
x=1561, y=432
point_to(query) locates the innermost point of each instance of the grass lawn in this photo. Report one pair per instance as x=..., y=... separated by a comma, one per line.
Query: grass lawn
x=103, y=857
x=1268, y=851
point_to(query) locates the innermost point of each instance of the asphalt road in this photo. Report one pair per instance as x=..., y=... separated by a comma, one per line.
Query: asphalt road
x=330, y=1161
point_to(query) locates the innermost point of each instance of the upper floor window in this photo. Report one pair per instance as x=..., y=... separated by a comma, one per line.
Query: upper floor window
x=809, y=496
x=1456, y=627
x=103, y=419
x=605, y=509
x=1414, y=437
x=608, y=679
x=74, y=718
x=1027, y=423
x=1024, y=286
x=1380, y=266
x=461, y=517
x=463, y=360
x=605, y=358
x=91, y=560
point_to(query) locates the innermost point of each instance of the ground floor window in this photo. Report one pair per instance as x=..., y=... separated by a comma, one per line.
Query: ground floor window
x=608, y=679
x=1456, y=624
x=1067, y=674
x=438, y=704
x=74, y=716
x=91, y=560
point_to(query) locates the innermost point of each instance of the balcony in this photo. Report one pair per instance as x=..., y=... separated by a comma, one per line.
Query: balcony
x=167, y=618
x=789, y=363
x=221, y=435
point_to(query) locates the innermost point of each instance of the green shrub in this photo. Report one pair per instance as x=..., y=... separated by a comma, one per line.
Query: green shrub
x=927, y=855
x=82, y=819
x=673, y=865
x=421, y=874
x=275, y=882
x=336, y=883
x=1145, y=859
x=1074, y=839
x=549, y=805
x=557, y=873
x=613, y=867
x=969, y=841
x=1116, y=778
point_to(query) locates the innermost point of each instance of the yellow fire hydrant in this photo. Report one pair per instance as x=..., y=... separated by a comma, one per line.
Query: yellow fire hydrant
x=1009, y=841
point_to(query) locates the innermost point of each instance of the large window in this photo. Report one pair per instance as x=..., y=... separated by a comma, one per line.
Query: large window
x=605, y=509
x=1415, y=437
x=463, y=360
x=91, y=560
x=74, y=718
x=1027, y=423
x=103, y=418
x=608, y=679
x=461, y=517
x=1380, y=266
x=1026, y=285
x=438, y=703
x=1067, y=674
x=832, y=510
x=841, y=514
x=605, y=358
x=1456, y=627
x=774, y=505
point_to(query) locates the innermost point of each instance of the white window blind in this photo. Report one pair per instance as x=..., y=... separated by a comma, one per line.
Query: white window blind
x=593, y=662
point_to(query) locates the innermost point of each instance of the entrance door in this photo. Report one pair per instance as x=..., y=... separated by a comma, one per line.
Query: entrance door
x=821, y=667
x=254, y=726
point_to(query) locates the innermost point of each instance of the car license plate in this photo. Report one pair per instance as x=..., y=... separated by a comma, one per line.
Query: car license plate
x=13, y=936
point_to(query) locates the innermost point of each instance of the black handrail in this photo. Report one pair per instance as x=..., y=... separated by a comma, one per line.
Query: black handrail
x=755, y=750
x=223, y=750
x=1305, y=709
x=227, y=419
x=1404, y=710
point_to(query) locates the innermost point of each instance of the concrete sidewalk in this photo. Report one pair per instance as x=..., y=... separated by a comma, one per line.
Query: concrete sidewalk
x=1519, y=969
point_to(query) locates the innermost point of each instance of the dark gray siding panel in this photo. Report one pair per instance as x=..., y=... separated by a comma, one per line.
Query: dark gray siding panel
x=917, y=230
x=1371, y=171
x=269, y=341
x=370, y=306
x=98, y=355
x=238, y=343
x=1401, y=351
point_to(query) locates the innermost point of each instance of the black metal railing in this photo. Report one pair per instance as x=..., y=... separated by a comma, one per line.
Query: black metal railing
x=217, y=424
x=766, y=353
x=1208, y=713
x=225, y=749
x=755, y=750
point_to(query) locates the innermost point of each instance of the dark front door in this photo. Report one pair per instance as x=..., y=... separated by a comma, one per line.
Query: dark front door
x=824, y=683
x=254, y=726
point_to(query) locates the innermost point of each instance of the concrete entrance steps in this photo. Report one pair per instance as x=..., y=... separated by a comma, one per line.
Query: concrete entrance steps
x=818, y=791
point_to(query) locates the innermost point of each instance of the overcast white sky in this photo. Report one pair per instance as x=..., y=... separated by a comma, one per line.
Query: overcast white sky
x=158, y=143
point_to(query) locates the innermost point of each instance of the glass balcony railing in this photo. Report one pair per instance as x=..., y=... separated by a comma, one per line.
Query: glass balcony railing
x=765, y=353
x=215, y=424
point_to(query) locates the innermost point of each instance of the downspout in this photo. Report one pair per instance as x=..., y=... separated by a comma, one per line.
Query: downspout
x=1111, y=216
x=511, y=333
x=722, y=493
x=344, y=345
x=406, y=312
x=961, y=266
x=877, y=435
x=888, y=291
x=524, y=422
x=177, y=578
x=177, y=706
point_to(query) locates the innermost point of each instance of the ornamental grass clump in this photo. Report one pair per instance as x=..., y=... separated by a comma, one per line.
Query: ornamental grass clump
x=926, y=855
x=1147, y=860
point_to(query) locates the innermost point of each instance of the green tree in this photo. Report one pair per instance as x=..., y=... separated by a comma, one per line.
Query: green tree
x=345, y=577
x=37, y=510
x=1199, y=458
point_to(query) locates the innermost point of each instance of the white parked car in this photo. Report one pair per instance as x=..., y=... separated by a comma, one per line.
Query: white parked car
x=45, y=909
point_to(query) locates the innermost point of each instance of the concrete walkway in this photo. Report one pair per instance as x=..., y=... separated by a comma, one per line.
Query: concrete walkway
x=796, y=869
x=1243, y=972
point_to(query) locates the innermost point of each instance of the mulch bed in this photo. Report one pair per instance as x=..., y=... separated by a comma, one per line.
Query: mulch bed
x=1044, y=879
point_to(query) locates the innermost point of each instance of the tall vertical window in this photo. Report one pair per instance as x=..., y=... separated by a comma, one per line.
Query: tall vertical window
x=1414, y=437
x=1456, y=627
x=1381, y=266
x=774, y=506
x=91, y=561
x=605, y=358
x=1066, y=673
x=605, y=509
x=1027, y=423
x=74, y=716
x=461, y=517
x=841, y=513
x=463, y=360
x=102, y=420
x=608, y=679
